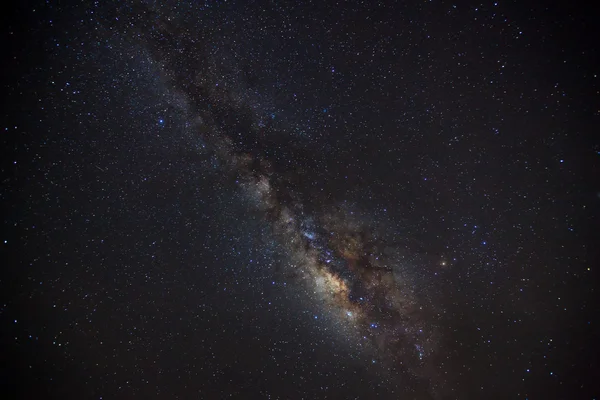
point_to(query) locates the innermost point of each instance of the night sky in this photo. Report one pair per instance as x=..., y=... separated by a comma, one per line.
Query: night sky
x=300, y=200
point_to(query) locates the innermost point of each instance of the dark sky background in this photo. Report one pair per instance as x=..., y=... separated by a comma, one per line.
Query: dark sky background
x=286, y=200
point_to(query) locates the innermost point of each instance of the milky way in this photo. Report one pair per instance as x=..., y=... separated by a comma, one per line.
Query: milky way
x=337, y=254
